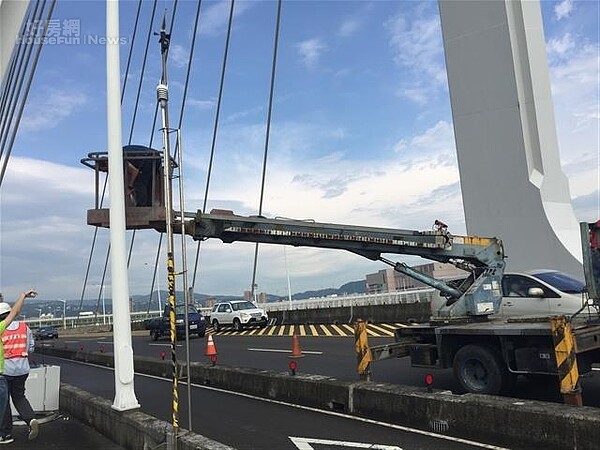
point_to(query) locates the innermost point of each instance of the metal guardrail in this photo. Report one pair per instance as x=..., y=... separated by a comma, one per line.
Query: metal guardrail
x=79, y=321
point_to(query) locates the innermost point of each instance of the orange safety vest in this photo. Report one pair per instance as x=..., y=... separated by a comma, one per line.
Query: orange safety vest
x=15, y=342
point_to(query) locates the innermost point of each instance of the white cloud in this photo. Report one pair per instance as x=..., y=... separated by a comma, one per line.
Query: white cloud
x=215, y=18
x=417, y=45
x=47, y=112
x=563, y=9
x=576, y=98
x=310, y=51
x=200, y=104
x=178, y=55
x=348, y=28
x=560, y=47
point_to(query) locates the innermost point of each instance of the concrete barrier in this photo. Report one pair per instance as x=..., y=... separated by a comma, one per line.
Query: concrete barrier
x=400, y=312
x=130, y=429
x=530, y=424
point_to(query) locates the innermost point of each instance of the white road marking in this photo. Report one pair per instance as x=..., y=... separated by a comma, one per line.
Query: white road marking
x=277, y=350
x=165, y=345
x=308, y=408
x=105, y=342
x=304, y=444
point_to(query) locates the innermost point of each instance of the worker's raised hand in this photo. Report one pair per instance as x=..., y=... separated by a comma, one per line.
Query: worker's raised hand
x=30, y=293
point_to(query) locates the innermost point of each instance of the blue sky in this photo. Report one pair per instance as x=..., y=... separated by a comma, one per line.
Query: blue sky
x=361, y=134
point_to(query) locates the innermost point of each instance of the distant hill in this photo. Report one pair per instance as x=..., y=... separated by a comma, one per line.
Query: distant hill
x=352, y=287
x=140, y=302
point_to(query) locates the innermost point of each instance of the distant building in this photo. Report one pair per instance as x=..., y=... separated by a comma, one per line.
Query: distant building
x=389, y=280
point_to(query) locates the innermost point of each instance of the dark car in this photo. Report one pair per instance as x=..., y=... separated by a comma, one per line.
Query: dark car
x=46, y=333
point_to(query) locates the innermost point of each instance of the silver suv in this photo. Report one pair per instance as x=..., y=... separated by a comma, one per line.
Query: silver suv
x=238, y=314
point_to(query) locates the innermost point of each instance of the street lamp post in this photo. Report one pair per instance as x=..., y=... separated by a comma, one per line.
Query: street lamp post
x=64, y=302
x=39, y=316
x=287, y=274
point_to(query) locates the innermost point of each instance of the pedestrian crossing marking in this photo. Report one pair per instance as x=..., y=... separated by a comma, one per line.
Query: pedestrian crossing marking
x=338, y=330
x=330, y=330
x=381, y=330
x=348, y=327
x=325, y=330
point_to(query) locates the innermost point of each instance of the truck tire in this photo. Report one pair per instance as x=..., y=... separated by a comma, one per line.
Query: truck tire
x=237, y=325
x=215, y=325
x=155, y=335
x=480, y=370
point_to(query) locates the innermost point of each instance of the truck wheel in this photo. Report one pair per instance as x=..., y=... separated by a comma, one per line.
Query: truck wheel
x=215, y=325
x=480, y=370
x=154, y=335
x=237, y=325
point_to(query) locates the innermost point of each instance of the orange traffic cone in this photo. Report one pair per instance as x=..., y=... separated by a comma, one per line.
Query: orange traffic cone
x=296, y=352
x=211, y=350
x=210, y=346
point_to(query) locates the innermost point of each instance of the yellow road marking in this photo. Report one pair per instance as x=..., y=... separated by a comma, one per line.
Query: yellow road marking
x=372, y=333
x=313, y=330
x=262, y=331
x=349, y=328
x=272, y=330
x=291, y=332
x=325, y=330
x=302, y=330
x=381, y=330
x=281, y=330
x=338, y=330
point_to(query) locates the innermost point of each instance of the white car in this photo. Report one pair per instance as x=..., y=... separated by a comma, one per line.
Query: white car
x=535, y=293
x=541, y=293
x=238, y=314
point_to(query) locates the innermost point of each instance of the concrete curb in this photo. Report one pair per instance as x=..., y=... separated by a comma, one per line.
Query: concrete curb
x=130, y=429
x=507, y=420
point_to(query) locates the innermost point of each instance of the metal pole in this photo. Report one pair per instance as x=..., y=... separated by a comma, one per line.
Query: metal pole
x=186, y=293
x=162, y=92
x=123, y=352
x=64, y=314
x=287, y=274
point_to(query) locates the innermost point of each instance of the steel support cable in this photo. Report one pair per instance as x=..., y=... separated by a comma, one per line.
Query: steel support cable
x=137, y=99
x=25, y=94
x=267, y=135
x=137, y=18
x=16, y=62
x=95, y=237
x=14, y=94
x=214, y=135
x=15, y=73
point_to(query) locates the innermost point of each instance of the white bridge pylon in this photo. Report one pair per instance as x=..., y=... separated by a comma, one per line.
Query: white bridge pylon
x=512, y=183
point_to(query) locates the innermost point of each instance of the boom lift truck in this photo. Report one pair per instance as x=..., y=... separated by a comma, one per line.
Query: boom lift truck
x=486, y=352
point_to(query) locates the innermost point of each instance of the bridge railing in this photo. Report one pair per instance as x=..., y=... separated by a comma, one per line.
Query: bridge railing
x=383, y=298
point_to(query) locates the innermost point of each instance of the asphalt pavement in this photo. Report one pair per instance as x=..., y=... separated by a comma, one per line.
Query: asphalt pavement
x=60, y=432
